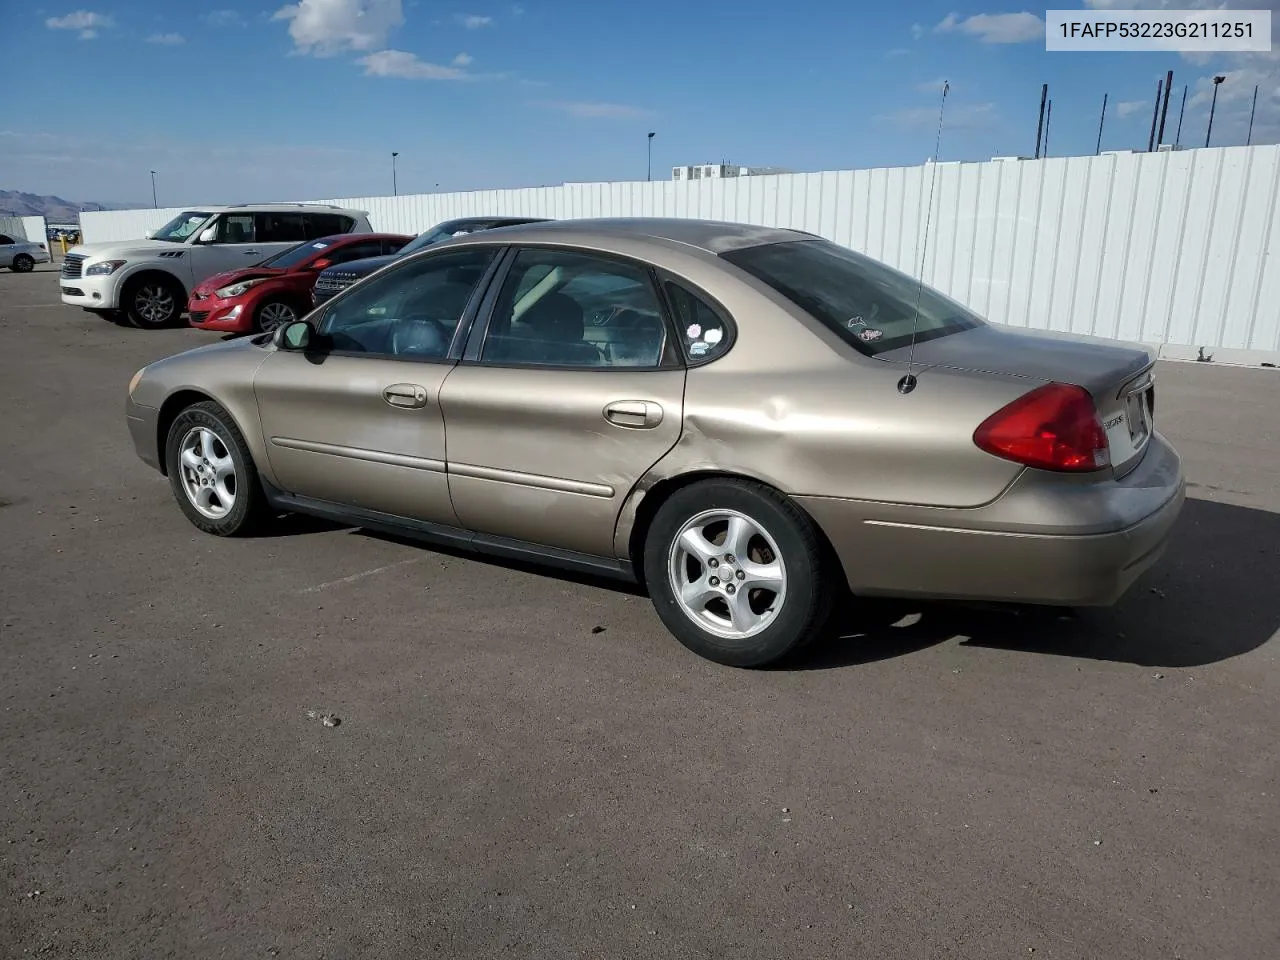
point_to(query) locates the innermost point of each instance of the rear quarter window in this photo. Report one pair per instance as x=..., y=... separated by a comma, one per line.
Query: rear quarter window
x=705, y=331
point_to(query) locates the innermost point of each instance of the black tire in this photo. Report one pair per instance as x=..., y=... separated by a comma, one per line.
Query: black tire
x=264, y=323
x=153, y=301
x=23, y=263
x=807, y=600
x=249, y=504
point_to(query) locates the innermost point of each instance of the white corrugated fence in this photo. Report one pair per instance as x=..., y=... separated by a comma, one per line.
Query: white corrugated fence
x=1170, y=248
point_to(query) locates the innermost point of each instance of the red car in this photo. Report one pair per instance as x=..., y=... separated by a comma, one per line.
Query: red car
x=278, y=290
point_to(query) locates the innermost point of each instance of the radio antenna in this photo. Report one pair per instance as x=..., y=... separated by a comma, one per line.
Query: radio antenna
x=908, y=383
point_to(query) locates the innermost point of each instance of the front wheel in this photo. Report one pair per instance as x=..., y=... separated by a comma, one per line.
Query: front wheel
x=212, y=473
x=152, y=302
x=23, y=263
x=274, y=314
x=737, y=572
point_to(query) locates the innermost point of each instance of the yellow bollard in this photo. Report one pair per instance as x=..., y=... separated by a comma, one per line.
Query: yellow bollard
x=62, y=239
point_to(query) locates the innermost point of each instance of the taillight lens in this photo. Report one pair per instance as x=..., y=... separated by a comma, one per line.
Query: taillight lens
x=1054, y=427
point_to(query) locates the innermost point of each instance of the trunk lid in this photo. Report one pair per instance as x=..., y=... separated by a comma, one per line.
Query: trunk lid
x=1119, y=376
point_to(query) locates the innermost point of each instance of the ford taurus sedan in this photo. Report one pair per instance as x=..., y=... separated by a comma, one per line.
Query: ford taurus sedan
x=752, y=422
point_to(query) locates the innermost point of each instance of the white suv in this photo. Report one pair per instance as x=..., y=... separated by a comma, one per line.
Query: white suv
x=147, y=281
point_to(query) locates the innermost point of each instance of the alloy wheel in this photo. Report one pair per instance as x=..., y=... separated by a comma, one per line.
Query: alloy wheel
x=727, y=574
x=208, y=472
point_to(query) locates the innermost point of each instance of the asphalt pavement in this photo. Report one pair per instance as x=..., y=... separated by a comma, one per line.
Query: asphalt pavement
x=527, y=765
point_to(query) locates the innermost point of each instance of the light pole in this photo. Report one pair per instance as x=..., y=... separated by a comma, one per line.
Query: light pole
x=1101, y=120
x=1213, y=106
x=394, y=191
x=154, y=204
x=649, y=175
x=1249, y=139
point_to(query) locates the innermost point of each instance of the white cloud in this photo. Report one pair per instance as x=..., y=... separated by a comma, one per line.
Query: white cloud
x=473, y=21
x=326, y=27
x=167, y=39
x=596, y=110
x=400, y=63
x=1127, y=108
x=995, y=27
x=224, y=18
x=969, y=116
x=463, y=60
x=917, y=31
x=86, y=22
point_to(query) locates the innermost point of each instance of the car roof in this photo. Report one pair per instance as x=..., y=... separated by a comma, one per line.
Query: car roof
x=494, y=221
x=714, y=236
x=280, y=208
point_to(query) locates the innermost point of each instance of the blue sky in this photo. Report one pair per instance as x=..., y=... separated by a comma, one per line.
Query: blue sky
x=239, y=100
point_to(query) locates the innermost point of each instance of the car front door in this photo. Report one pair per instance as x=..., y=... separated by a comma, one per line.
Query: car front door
x=358, y=423
x=234, y=245
x=568, y=394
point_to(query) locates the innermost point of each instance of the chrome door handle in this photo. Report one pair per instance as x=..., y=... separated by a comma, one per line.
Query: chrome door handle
x=409, y=395
x=636, y=414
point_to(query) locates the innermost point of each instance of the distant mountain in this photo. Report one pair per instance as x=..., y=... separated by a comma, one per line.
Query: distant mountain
x=14, y=203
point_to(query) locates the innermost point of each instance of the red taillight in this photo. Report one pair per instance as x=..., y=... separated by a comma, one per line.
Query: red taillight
x=1054, y=427
x=321, y=263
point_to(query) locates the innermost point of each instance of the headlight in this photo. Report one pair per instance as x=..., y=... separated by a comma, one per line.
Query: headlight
x=103, y=268
x=238, y=288
x=133, y=384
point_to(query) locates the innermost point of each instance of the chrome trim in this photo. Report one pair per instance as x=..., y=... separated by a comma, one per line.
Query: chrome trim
x=537, y=481
x=359, y=453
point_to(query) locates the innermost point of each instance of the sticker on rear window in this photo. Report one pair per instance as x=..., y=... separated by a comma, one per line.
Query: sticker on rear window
x=694, y=331
x=870, y=334
x=713, y=335
x=318, y=246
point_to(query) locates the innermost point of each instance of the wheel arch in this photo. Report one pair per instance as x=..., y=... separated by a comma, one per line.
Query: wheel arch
x=130, y=280
x=646, y=499
x=172, y=406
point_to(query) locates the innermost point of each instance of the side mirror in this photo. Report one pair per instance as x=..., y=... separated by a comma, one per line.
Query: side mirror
x=210, y=235
x=299, y=336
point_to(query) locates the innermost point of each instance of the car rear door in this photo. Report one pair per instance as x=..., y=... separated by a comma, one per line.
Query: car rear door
x=358, y=423
x=569, y=391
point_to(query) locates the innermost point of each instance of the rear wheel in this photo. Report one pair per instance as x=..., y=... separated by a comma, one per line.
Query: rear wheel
x=152, y=302
x=737, y=572
x=23, y=263
x=212, y=473
x=274, y=314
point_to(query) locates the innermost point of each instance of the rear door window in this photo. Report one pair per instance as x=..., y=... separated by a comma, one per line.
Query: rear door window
x=280, y=228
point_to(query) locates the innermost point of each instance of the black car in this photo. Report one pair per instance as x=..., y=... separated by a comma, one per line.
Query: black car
x=334, y=280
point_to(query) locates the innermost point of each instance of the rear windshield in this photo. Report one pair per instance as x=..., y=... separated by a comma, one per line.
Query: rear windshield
x=869, y=304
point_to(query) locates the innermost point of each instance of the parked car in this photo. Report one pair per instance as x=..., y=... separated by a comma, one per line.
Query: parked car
x=748, y=420
x=336, y=279
x=278, y=290
x=21, y=256
x=147, y=281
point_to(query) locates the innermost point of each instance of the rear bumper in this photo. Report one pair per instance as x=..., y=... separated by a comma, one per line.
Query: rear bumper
x=142, y=428
x=996, y=552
